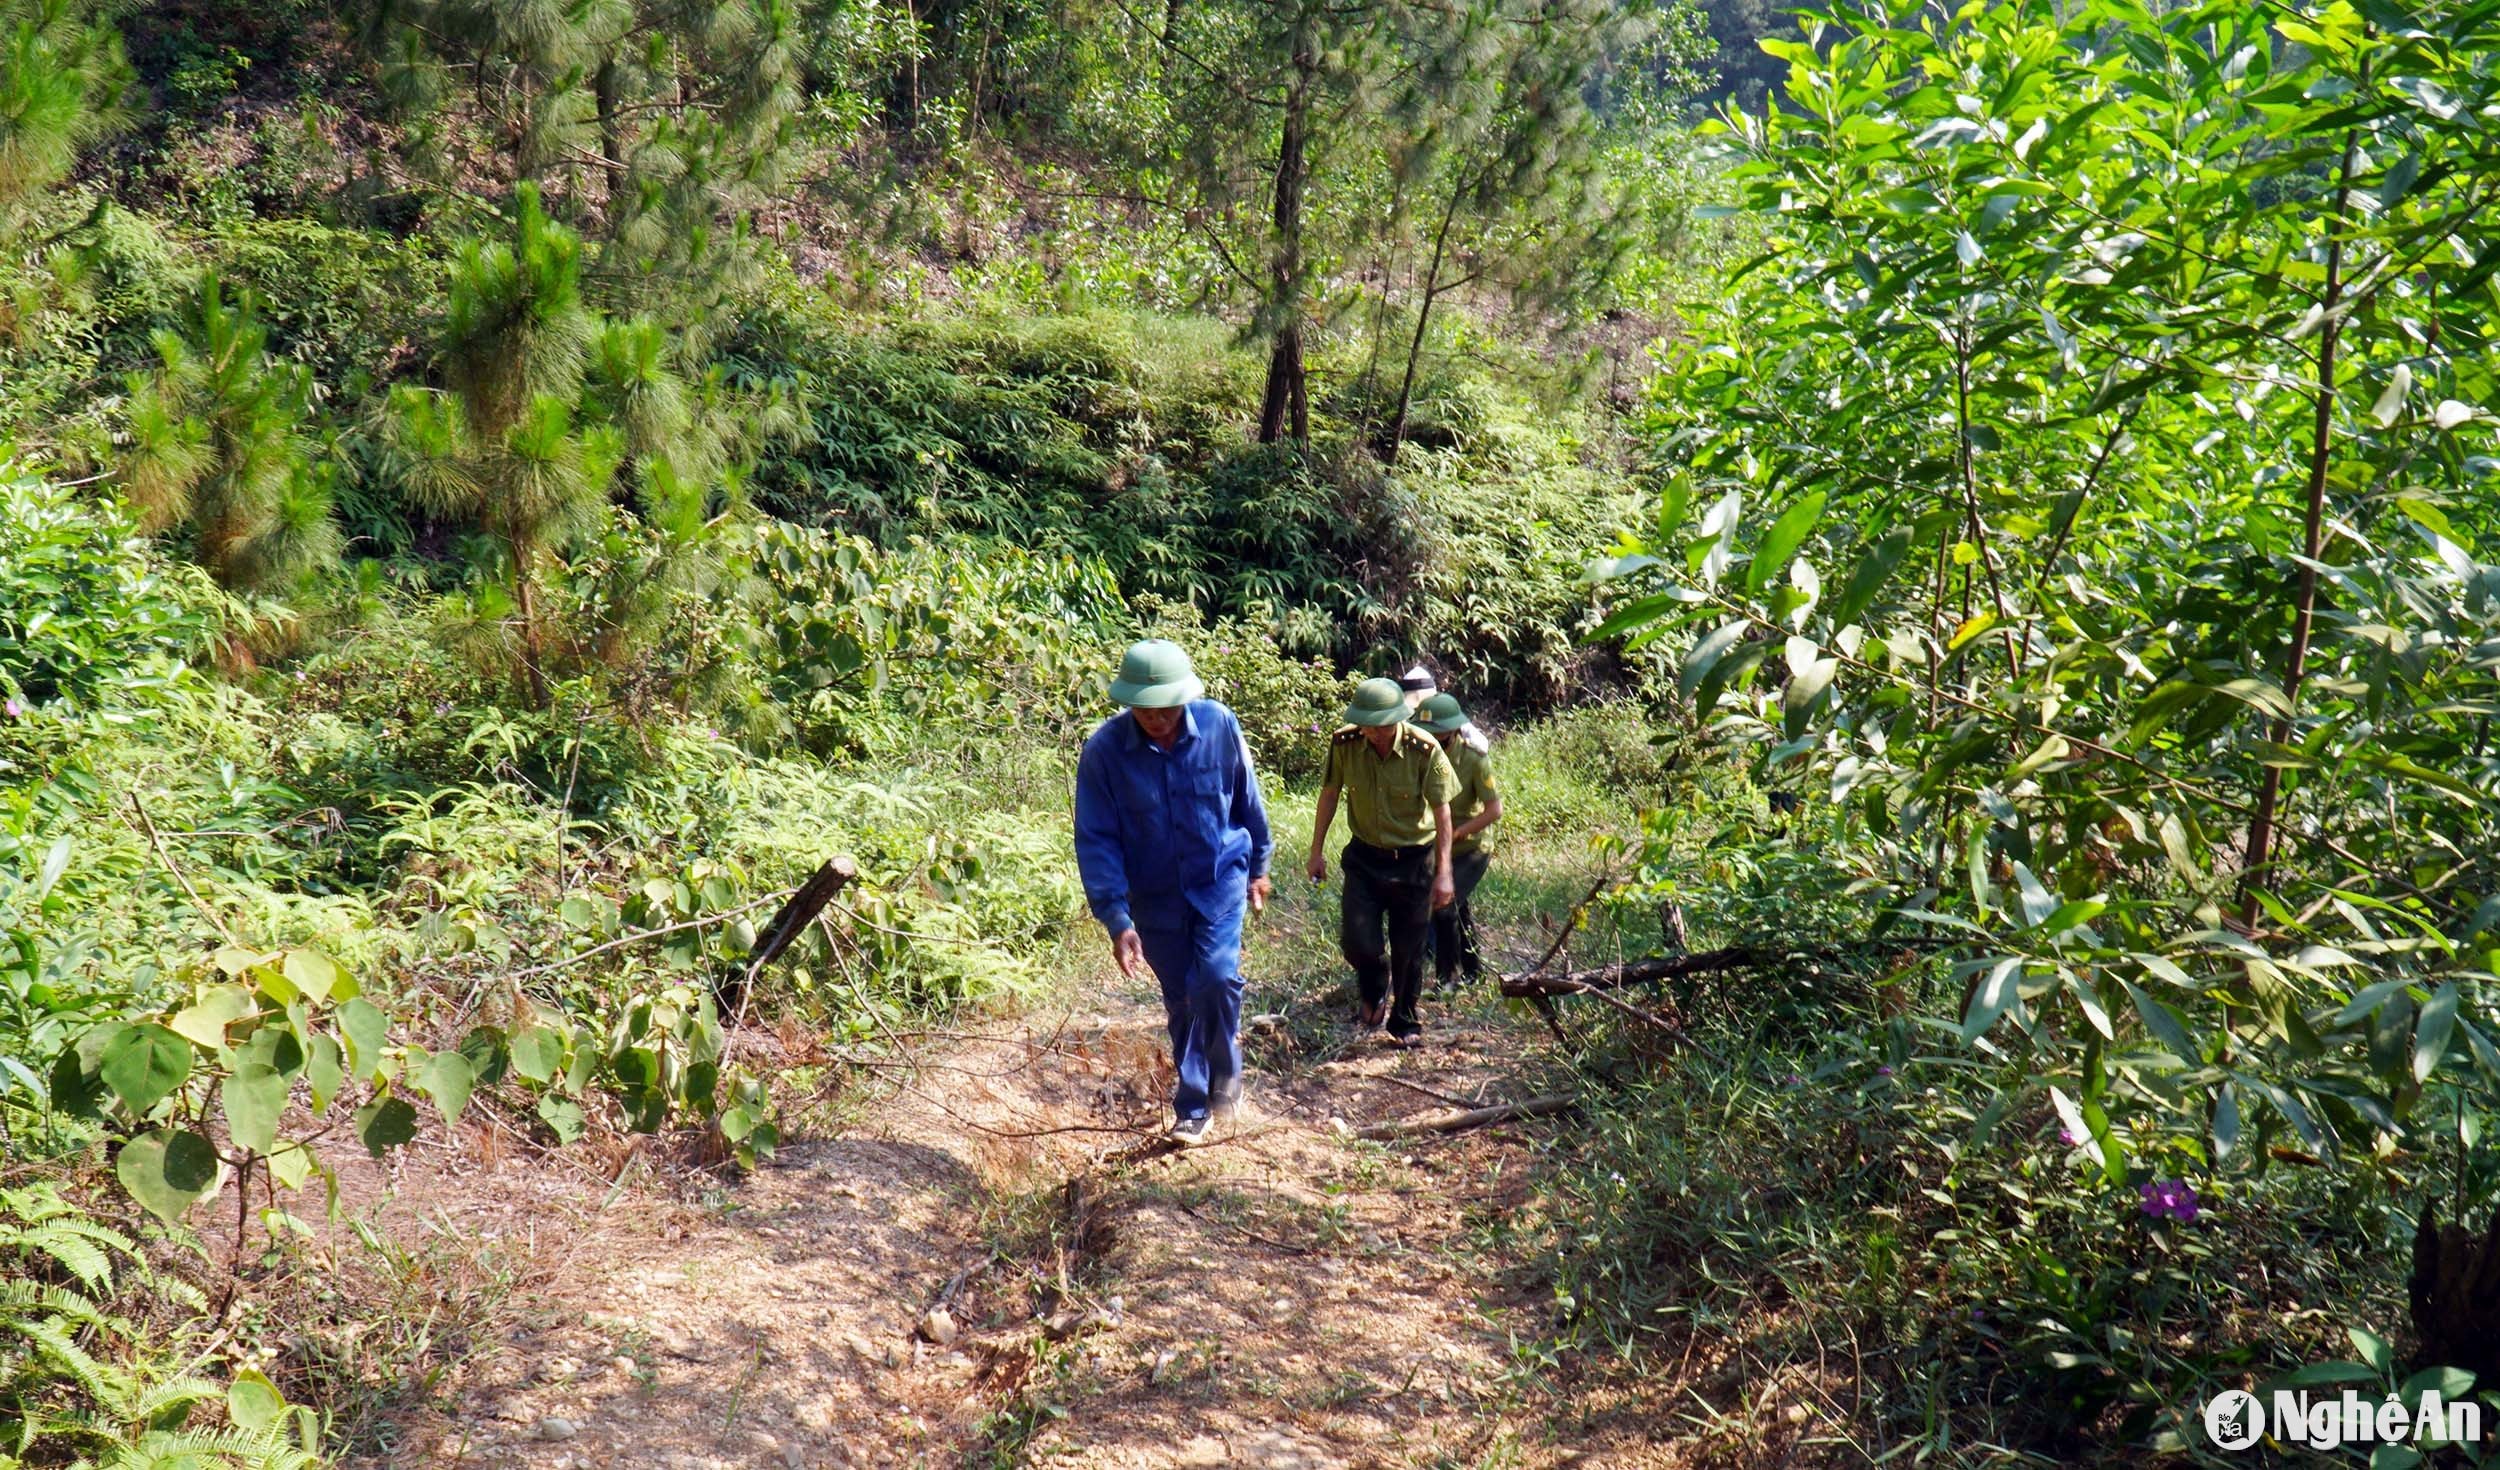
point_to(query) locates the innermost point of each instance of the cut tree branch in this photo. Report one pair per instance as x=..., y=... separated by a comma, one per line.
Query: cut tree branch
x=1458, y=1120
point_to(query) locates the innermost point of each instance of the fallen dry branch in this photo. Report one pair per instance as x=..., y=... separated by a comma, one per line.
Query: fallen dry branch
x=1459, y=1120
x=1636, y=972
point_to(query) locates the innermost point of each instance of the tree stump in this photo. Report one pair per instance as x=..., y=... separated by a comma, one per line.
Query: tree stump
x=2454, y=1293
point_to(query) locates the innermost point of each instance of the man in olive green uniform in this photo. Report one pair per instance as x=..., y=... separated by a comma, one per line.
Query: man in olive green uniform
x=1397, y=785
x=1477, y=806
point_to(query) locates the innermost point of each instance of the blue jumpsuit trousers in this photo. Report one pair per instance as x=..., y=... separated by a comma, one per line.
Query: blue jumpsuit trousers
x=1198, y=963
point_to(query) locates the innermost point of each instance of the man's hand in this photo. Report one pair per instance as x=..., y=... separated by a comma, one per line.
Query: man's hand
x=1260, y=889
x=1130, y=951
x=1317, y=867
x=1444, y=889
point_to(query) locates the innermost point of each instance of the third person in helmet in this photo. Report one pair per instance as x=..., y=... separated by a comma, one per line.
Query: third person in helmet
x=1477, y=806
x=1397, y=786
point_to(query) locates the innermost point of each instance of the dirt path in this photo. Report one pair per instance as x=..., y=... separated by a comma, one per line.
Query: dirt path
x=997, y=1264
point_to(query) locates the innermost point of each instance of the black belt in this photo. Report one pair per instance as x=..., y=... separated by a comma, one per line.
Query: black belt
x=1393, y=854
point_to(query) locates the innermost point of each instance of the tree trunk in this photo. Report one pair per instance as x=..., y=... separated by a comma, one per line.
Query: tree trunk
x=608, y=89
x=1288, y=394
x=911, y=70
x=525, y=597
x=2261, y=826
x=1423, y=318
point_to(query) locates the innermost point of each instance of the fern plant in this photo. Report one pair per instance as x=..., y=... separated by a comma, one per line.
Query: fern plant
x=75, y=1387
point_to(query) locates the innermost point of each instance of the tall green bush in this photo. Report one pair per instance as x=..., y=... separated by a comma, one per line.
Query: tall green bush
x=2083, y=493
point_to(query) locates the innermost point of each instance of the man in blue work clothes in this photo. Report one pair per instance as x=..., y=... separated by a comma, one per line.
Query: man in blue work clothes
x=1171, y=840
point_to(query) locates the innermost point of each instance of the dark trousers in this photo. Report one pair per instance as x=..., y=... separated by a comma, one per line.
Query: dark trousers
x=1387, y=888
x=1454, y=928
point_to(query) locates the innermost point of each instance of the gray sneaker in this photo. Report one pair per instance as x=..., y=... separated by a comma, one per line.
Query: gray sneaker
x=1188, y=1132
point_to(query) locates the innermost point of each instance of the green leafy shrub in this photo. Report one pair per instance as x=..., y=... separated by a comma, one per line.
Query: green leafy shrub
x=1119, y=440
x=85, y=615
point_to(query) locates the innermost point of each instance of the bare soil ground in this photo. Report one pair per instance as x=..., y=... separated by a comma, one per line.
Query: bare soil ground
x=999, y=1262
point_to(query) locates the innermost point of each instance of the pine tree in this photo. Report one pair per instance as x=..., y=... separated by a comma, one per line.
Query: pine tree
x=545, y=409
x=216, y=445
x=63, y=85
x=656, y=127
x=1509, y=167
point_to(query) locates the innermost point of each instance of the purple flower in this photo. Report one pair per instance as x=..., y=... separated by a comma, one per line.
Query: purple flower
x=1792, y=1080
x=2168, y=1199
x=442, y=706
x=13, y=709
x=2069, y=1137
x=1883, y=1071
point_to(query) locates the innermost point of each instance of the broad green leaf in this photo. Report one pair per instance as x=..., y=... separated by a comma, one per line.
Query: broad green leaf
x=324, y=1071
x=448, y=1078
x=2166, y=1025
x=2391, y=401
x=2038, y=903
x=143, y=1064
x=55, y=863
x=2226, y=1126
x=562, y=1115
x=1868, y=576
x=2073, y=914
x=1989, y=1000
x=2449, y=1383
x=489, y=1054
x=168, y=1171
x=2174, y=846
x=1782, y=540
x=537, y=1054
x=2069, y=1114
x=1971, y=628
x=1798, y=699
x=314, y=973
x=254, y=1096
x=2374, y=1349
x=253, y=1403
x=1707, y=653
x=292, y=1165
x=236, y=961
x=2431, y=1032
x=2055, y=748
x=365, y=1028
x=2090, y=1003
x=203, y=1023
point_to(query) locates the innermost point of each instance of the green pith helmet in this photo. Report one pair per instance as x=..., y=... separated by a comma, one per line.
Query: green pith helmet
x=1377, y=702
x=1440, y=715
x=1156, y=674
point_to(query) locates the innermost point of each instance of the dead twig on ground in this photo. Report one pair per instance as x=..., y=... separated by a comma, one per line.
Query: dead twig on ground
x=1459, y=1120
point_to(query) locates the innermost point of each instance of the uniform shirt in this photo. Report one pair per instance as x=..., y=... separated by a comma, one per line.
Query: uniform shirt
x=1169, y=832
x=1475, y=787
x=1389, y=799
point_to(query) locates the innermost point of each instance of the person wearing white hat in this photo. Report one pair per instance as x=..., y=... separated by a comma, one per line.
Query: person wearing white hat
x=1420, y=685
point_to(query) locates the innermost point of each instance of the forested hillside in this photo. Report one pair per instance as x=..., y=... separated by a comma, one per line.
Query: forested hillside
x=1971, y=531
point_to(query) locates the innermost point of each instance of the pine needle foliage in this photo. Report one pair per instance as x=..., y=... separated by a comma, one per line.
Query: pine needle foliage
x=215, y=446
